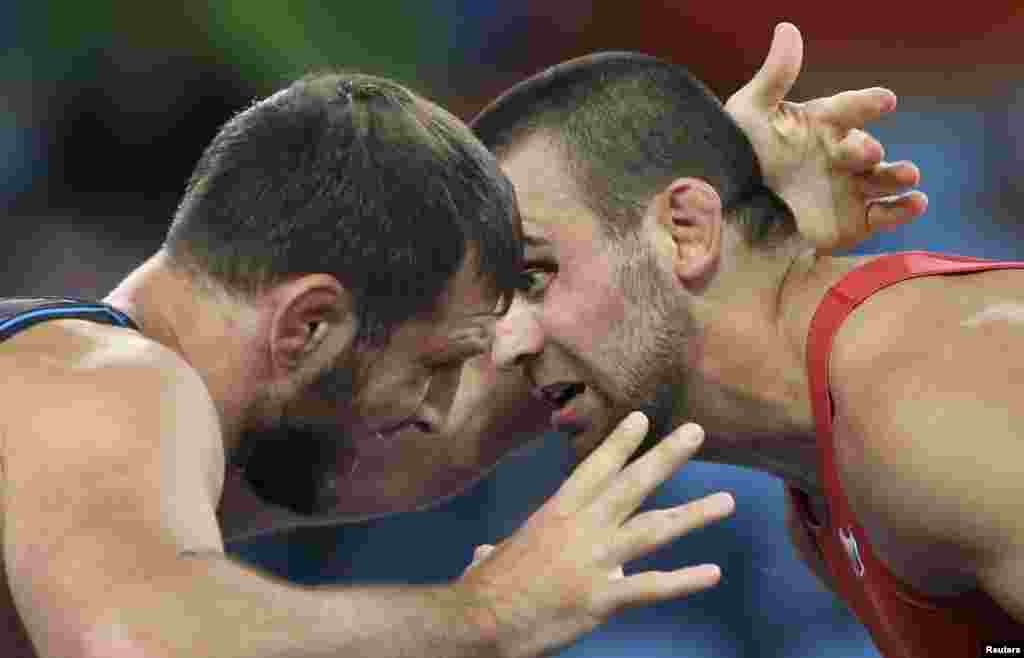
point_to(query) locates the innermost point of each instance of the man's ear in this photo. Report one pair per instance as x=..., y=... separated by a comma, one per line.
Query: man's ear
x=689, y=210
x=312, y=320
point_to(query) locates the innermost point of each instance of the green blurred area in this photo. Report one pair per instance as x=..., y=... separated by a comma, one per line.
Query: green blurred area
x=264, y=42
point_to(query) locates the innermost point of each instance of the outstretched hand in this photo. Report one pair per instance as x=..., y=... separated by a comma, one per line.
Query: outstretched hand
x=560, y=575
x=816, y=155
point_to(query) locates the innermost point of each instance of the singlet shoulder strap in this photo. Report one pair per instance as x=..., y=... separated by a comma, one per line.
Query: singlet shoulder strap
x=19, y=314
x=841, y=299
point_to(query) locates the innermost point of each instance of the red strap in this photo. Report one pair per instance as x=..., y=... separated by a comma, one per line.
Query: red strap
x=836, y=306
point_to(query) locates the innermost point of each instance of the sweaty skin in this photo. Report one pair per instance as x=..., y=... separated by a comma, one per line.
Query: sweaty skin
x=136, y=426
x=69, y=534
x=817, y=156
x=917, y=369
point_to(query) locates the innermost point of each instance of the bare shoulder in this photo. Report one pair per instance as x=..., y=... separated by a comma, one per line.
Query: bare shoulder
x=925, y=377
x=931, y=318
x=113, y=466
x=75, y=379
x=93, y=360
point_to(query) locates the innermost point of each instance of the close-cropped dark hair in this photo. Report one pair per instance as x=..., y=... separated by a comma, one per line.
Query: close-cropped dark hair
x=628, y=124
x=353, y=176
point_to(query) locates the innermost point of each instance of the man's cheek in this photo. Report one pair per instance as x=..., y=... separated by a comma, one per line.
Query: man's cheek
x=586, y=321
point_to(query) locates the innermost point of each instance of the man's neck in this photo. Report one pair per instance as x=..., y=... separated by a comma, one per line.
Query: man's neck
x=168, y=308
x=750, y=388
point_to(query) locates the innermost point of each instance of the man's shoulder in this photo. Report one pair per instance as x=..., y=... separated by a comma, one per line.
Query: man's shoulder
x=932, y=325
x=75, y=372
x=65, y=354
x=923, y=376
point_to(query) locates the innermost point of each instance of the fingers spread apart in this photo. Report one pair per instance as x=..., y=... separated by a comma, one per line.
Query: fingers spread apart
x=890, y=212
x=593, y=475
x=889, y=179
x=637, y=481
x=858, y=152
x=654, y=586
x=853, y=109
x=651, y=530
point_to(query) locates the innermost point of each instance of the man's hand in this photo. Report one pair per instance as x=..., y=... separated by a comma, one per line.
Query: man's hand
x=561, y=574
x=816, y=156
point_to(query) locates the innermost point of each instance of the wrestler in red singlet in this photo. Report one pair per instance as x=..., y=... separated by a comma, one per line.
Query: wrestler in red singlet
x=903, y=623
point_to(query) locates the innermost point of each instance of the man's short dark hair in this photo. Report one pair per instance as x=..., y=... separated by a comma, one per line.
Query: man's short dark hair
x=628, y=124
x=354, y=176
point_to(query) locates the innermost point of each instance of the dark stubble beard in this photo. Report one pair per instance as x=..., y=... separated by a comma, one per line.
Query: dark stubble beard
x=657, y=382
x=294, y=463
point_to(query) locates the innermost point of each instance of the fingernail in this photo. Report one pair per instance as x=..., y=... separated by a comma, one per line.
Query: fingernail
x=714, y=572
x=636, y=420
x=691, y=434
x=722, y=503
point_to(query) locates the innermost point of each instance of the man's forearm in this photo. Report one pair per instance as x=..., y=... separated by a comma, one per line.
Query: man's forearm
x=217, y=607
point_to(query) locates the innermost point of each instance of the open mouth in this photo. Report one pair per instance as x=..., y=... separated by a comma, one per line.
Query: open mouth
x=414, y=422
x=561, y=395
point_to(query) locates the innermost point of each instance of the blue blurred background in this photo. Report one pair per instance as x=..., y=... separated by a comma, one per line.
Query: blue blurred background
x=106, y=106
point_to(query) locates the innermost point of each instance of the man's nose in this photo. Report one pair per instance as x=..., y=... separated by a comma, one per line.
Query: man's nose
x=517, y=336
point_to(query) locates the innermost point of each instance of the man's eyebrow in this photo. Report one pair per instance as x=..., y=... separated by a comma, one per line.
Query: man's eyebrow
x=535, y=241
x=475, y=320
x=474, y=332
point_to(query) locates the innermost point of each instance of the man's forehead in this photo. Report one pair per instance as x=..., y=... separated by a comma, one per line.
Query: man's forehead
x=550, y=203
x=541, y=177
x=557, y=231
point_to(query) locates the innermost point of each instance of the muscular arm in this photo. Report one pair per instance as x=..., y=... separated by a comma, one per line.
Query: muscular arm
x=943, y=445
x=113, y=550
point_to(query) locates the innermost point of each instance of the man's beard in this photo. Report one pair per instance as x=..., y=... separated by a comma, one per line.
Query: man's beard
x=657, y=375
x=294, y=464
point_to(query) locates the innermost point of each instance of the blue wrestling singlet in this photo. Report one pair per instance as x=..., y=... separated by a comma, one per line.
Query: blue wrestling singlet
x=20, y=313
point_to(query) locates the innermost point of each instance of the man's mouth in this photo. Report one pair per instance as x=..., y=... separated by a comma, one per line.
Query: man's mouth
x=561, y=395
x=415, y=422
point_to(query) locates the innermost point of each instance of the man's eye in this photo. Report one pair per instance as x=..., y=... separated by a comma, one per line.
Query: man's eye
x=535, y=280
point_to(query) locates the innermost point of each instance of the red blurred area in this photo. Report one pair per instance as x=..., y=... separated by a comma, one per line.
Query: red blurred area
x=725, y=39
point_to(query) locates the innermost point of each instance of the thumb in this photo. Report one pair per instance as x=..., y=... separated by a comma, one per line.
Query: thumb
x=482, y=551
x=479, y=555
x=779, y=71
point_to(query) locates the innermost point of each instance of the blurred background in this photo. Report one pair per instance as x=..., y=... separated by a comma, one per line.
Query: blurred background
x=106, y=106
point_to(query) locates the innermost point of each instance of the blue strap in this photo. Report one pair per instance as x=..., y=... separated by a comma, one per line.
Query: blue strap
x=12, y=325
